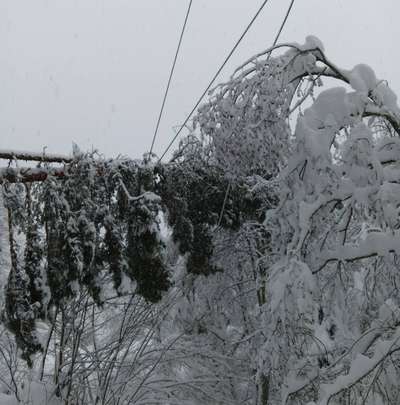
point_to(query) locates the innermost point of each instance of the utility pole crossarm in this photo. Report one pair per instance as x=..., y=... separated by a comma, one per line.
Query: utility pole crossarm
x=36, y=157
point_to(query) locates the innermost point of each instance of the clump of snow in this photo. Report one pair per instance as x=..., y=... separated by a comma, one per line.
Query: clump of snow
x=316, y=129
x=312, y=42
x=330, y=106
x=385, y=96
x=362, y=78
x=376, y=243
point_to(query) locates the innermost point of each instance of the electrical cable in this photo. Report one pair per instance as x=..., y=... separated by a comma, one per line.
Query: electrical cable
x=170, y=76
x=214, y=77
x=283, y=22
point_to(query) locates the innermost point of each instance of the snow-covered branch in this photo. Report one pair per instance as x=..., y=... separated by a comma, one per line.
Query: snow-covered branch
x=360, y=367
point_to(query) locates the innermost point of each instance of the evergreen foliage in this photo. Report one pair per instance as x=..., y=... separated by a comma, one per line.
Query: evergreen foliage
x=21, y=313
x=144, y=250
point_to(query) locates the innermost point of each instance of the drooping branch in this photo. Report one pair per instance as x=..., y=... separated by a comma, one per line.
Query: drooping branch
x=360, y=367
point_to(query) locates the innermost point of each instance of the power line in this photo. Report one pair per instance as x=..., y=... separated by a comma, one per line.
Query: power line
x=170, y=76
x=214, y=77
x=283, y=23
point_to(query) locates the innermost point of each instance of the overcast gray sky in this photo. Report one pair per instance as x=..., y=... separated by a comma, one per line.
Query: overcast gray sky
x=94, y=71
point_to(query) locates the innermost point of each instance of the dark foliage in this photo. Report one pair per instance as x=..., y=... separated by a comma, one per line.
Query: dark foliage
x=20, y=314
x=145, y=264
x=198, y=198
x=100, y=220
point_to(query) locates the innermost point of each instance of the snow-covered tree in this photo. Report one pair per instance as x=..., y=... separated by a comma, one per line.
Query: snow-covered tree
x=332, y=303
x=258, y=266
x=326, y=273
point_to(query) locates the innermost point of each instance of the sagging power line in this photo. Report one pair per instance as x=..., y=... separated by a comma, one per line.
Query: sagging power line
x=170, y=76
x=214, y=77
